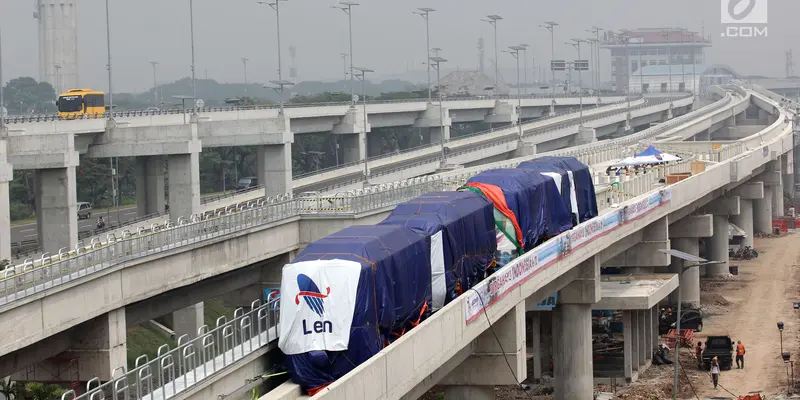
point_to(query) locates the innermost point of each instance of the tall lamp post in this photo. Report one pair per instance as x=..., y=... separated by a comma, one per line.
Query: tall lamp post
x=550, y=26
x=525, y=65
x=596, y=31
x=155, y=82
x=436, y=63
x=244, y=64
x=110, y=114
x=577, y=44
x=515, y=52
x=275, y=5
x=492, y=20
x=424, y=13
x=344, y=63
x=688, y=261
x=191, y=30
x=347, y=7
x=362, y=75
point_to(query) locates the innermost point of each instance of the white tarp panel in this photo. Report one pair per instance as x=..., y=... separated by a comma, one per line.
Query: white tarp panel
x=573, y=197
x=438, y=282
x=318, y=299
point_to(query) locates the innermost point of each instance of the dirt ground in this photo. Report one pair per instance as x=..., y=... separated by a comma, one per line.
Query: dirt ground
x=747, y=307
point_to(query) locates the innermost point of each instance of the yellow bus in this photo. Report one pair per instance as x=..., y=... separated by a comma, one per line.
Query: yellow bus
x=76, y=102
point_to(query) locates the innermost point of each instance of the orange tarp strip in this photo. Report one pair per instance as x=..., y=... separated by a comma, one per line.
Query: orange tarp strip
x=496, y=196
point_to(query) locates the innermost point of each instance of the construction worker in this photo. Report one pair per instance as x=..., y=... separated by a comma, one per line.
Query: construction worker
x=739, y=355
x=698, y=352
x=715, y=372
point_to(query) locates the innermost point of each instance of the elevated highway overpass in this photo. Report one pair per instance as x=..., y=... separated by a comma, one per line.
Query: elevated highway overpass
x=31, y=295
x=547, y=133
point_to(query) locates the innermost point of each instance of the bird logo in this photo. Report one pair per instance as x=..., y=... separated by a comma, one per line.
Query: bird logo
x=311, y=294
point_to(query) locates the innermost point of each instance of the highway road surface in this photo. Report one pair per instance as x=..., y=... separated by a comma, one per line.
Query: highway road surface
x=21, y=233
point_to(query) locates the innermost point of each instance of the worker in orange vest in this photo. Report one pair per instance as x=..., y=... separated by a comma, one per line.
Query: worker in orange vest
x=739, y=355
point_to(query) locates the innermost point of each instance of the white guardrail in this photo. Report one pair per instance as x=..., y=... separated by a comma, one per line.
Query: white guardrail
x=178, y=373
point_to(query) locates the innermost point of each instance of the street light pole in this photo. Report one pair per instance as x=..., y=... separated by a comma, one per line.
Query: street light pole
x=244, y=63
x=492, y=19
x=2, y=104
x=596, y=31
x=347, y=7
x=437, y=62
x=108, y=66
x=577, y=44
x=58, y=78
x=344, y=63
x=550, y=26
x=424, y=13
x=363, y=76
x=515, y=52
x=191, y=31
x=525, y=65
x=155, y=84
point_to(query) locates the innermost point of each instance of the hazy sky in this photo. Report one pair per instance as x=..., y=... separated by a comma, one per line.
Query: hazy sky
x=387, y=36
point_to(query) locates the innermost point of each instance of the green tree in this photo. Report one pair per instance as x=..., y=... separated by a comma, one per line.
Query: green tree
x=26, y=96
x=11, y=390
x=43, y=391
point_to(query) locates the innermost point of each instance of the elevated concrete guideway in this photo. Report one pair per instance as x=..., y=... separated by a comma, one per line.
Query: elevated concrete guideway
x=184, y=261
x=548, y=133
x=308, y=118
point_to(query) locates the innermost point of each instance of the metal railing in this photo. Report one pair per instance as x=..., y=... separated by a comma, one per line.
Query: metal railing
x=178, y=111
x=173, y=371
x=36, y=276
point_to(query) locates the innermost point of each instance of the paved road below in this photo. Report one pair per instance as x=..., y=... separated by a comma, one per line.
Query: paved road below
x=21, y=233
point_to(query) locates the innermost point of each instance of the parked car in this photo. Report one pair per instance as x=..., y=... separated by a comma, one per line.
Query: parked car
x=246, y=183
x=84, y=210
x=720, y=347
x=690, y=319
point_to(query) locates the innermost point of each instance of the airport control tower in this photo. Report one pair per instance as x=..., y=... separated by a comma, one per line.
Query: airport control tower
x=58, y=43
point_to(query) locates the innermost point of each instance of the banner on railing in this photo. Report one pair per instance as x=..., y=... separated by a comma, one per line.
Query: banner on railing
x=515, y=273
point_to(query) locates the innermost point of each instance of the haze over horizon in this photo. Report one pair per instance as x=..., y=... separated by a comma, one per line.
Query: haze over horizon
x=387, y=37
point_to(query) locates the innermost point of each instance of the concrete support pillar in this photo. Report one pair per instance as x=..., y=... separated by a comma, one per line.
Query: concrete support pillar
x=184, y=185
x=573, y=354
x=275, y=168
x=745, y=220
x=777, y=201
x=572, y=325
x=6, y=175
x=547, y=341
x=186, y=321
x=649, y=337
x=762, y=212
x=469, y=392
x=149, y=185
x=524, y=149
x=629, y=346
x=536, y=344
x=719, y=248
x=690, y=278
x=103, y=348
x=353, y=148
x=502, y=113
x=644, y=340
x=56, y=208
x=437, y=121
x=585, y=135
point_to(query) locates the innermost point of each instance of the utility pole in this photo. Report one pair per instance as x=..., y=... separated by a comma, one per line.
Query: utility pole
x=110, y=113
x=347, y=8
x=525, y=65
x=515, y=52
x=2, y=103
x=492, y=19
x=244, y=63
x=191, y=32
x=155, y=85
x=344, y=62
x=425, y=13
x=550, y=26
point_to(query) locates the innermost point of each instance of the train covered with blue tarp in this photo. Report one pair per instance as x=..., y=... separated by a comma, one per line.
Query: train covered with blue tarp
x=529, y=200
x=467, y=238
x=347, y=295
x=583, y=183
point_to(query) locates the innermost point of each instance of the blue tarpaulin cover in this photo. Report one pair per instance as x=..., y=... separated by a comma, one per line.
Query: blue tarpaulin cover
x=587, y=200
x=533, y=198
x=566, y=187
x=466, y=221
x=393, y=288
